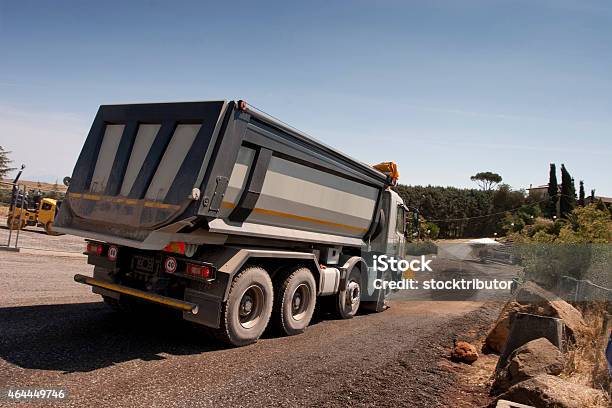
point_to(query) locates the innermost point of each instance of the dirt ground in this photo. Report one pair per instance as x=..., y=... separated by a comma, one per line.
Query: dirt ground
x=54, y=333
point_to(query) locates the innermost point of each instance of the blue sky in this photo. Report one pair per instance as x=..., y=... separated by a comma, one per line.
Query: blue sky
x=446, y=89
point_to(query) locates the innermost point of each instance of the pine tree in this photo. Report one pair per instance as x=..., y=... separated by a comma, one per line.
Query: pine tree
x=553, y=193
x=581, y=194
x=567, y=201
x=5, y=163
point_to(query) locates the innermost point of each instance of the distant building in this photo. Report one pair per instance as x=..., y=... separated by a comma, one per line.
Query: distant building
x=540, y=192
x=607, y=200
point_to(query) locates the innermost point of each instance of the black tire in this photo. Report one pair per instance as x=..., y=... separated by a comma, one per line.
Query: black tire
x=13, y=223
x=349, y=299
x=296, y=297
x=246, y=313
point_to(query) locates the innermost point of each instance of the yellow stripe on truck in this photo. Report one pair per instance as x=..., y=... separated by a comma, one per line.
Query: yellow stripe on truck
x=122, y=200
x=227, y=204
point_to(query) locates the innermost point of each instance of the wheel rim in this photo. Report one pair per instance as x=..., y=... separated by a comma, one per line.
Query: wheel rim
x=353, y=292
x=300, y=301
x=251, y=306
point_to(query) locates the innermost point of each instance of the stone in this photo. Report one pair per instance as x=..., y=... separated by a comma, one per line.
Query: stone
x=536, y=357
x=510, y=404
x=531, y=298
x=496, y=339
x=553, y=306
x=548, y=391
x=464, y=352
x=527, y=327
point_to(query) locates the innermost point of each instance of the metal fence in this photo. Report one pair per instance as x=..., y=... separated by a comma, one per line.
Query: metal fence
x=583, y=290
x=15, y=221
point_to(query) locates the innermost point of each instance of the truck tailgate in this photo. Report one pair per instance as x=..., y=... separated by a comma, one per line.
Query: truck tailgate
x=139, y=165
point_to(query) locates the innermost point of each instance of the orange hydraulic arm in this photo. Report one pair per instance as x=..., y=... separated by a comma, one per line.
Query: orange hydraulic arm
x=390, y=169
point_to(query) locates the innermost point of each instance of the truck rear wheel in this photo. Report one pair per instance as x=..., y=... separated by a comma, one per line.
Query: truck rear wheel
x=349, y=299
x=295, y=302
x=247, y=311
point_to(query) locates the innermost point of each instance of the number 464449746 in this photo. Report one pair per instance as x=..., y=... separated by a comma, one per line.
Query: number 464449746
x=34, y=393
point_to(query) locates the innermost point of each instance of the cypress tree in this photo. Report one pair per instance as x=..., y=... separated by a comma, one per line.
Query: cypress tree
x=581, y=194
x=553, y=193
x=567, y=201
x=592, y=200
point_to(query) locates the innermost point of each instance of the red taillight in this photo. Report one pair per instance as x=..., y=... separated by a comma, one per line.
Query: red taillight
x=176, y=247
x=93, y=248
x=200, y=271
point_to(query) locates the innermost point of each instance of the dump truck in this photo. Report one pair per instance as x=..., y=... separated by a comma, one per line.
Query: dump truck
x=230, y=216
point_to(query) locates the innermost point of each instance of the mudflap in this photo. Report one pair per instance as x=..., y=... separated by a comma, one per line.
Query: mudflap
x=209, y=308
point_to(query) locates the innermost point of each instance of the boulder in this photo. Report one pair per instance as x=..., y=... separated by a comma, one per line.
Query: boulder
x=496, y=339
x=552, y=305
x=527, y=327
x=536, y=357
x=464, y=352
x=548, y=391
x=510, y=404
x=531, y=298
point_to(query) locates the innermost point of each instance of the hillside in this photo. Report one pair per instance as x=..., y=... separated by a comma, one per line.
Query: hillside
x=33, y=185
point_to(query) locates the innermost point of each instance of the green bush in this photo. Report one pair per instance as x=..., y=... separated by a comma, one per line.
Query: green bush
x=549, y=250
x=430, y=230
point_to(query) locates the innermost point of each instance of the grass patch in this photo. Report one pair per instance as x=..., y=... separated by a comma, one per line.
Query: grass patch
x=585, y=361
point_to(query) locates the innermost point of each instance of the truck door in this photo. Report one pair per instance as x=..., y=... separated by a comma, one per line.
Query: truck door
x=391, y=240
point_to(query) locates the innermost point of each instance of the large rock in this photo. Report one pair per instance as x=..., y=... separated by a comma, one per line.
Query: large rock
x=530, y=298
x=553, y=306
x=527, y=327
x=496, y=339
x=548, y=391
x=536, y=357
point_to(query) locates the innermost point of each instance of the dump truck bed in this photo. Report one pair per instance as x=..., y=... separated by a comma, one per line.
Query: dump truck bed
x=149, y=172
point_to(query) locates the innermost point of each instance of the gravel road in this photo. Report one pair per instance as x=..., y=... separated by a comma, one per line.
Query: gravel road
x=54, y=333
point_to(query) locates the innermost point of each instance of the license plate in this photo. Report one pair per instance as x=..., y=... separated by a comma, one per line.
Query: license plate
x=144, y=263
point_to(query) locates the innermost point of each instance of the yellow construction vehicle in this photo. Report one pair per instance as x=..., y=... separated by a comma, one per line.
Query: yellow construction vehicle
x=41, y=216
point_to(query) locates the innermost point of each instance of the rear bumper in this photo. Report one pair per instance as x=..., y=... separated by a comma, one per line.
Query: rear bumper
x=147, y=244
x=187, y=307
